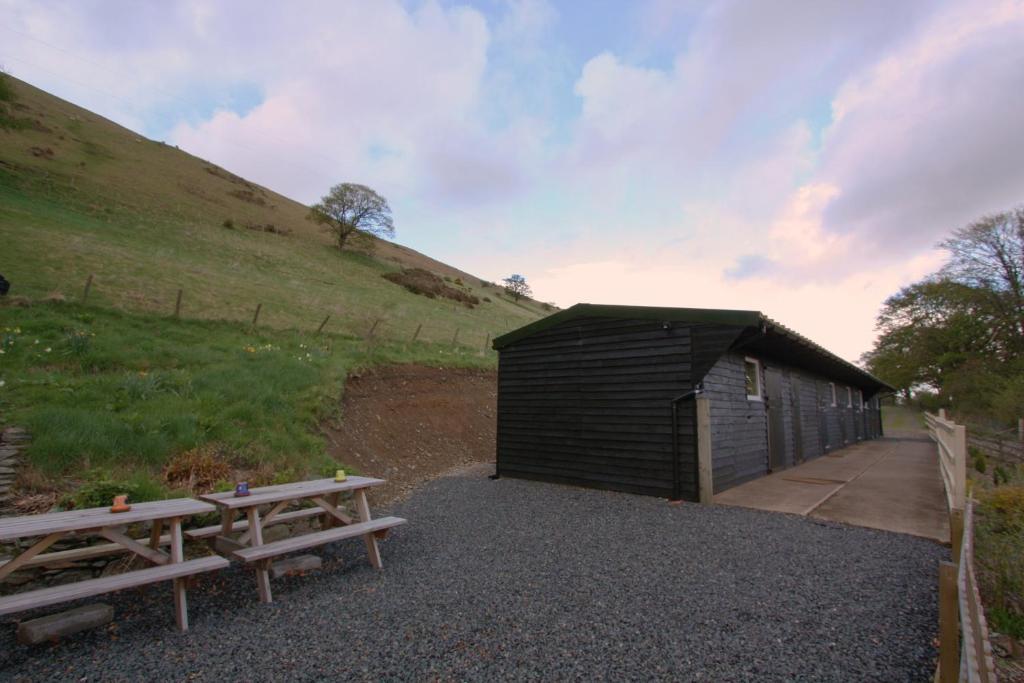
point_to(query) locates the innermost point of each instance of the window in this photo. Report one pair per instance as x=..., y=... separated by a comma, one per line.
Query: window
x=832, y=388
x=752, y=369
x=860, y=401
x=849, y=397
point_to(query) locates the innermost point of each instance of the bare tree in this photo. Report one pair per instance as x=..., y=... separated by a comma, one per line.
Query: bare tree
x=353, y=210
x=515, y=285
x=988, y=257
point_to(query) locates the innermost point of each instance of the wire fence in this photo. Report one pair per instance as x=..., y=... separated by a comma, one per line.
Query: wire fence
x=466, y=337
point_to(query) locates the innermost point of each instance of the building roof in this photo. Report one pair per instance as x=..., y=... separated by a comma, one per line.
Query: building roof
x=759, y=335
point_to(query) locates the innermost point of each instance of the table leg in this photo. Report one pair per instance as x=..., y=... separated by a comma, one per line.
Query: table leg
x=178, y=555
x=363, y=509
x=262, y=576
x=154, y=534
x=227, y=521
x=328, y=521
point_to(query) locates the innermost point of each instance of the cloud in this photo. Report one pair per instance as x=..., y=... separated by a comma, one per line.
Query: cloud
x=924, y=141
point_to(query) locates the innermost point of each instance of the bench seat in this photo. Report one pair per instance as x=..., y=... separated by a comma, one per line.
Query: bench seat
x=53, y=595
x=243, y=525
x=288, y=545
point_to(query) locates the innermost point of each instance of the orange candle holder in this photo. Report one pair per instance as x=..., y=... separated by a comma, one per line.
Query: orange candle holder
x=120, y=504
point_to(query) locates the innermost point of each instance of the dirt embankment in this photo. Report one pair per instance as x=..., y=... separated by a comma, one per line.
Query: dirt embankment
x=409, y=424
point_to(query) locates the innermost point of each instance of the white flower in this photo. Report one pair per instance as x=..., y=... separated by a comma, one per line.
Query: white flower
x=36, y=341
x=2, y=382
x=48, y=349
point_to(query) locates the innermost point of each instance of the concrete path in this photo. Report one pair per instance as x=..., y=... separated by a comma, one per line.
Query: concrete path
x=891, y=483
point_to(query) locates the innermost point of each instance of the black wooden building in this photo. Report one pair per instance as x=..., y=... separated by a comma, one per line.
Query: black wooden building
x=611, y=397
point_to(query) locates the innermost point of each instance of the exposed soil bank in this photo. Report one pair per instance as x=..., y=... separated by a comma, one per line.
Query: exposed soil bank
x=409, y=424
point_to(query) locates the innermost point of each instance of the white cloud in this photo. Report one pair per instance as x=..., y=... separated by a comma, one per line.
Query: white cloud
x=927, y=139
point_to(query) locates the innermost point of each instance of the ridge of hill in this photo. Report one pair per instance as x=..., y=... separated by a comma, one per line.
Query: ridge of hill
x=81, y=195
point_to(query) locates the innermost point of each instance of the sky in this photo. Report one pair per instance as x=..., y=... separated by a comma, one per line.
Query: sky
x=797, y=157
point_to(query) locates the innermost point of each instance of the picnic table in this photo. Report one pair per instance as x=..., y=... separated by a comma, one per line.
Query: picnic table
x=323, y=493
x=52, y=527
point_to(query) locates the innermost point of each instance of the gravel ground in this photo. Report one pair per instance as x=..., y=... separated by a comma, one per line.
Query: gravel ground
x=520, y=580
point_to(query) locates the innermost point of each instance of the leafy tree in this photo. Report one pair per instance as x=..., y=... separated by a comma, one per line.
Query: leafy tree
x=958, y=335
x=516, y=286
x=352, y=211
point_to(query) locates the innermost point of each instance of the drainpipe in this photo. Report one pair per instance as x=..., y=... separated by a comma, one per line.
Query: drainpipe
x=677, y=466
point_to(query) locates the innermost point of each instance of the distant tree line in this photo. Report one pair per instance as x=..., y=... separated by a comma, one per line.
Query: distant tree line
x=956, y=338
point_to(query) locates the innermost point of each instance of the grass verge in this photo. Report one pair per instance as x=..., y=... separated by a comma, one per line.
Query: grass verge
x=113, y=398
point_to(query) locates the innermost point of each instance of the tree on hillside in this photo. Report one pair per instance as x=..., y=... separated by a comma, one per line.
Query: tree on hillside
x=353, y=211
x=515, y=285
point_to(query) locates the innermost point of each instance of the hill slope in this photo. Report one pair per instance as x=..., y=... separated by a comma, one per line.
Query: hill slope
x=81, y=195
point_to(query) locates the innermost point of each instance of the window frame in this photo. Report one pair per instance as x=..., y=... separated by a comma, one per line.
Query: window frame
x=832, y=388
x=759, y=396
x=849, y=397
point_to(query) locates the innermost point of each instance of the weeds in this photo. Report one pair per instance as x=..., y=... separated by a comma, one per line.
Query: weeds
x=999, y=553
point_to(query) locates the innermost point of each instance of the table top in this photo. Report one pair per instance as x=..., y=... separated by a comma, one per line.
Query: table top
x=294, y=491
x=23, y=526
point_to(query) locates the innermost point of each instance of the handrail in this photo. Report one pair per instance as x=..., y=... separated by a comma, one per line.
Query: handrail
x=965, y=653
x=976, y=663
x=951, y=439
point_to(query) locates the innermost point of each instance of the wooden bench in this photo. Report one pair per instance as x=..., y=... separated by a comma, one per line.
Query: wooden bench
x=44, y=597
x=51, y=527
x=290, y=545
x=323, y=493
x=243, y=525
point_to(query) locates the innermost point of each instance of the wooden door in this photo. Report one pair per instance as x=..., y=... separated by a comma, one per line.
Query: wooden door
x=798, y=418
x=776, y=420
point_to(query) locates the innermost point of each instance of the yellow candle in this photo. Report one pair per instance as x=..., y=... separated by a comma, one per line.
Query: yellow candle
x=339, y=475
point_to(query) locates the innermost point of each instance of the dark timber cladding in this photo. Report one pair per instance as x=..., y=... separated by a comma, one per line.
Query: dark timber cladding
x=585, y=397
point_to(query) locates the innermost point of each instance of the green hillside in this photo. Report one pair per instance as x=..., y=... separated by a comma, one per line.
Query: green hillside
x=80, y=195
x=119, y=394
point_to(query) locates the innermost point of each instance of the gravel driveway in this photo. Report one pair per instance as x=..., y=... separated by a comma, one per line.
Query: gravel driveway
x=519, y=580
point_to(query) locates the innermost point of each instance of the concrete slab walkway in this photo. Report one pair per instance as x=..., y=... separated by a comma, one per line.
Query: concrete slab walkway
x=891, y=483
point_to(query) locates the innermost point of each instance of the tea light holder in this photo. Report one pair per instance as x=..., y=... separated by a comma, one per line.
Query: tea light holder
x=340, y=475
x=120, y=504
x=242, y=489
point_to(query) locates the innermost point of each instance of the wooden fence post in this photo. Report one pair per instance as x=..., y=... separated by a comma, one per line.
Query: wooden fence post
x=455, y=337
x=960, y=464
x=177, y=305
x=373, y=328
x=949, y=624
x=88, y=286
x=256, y=315
x=416, y=334
x=956, y=533
x=321, y=328
x=487, y=341
x=706, y=484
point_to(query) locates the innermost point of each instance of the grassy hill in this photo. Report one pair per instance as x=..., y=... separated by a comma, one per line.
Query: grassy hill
x=80, y=195
x=117, y=393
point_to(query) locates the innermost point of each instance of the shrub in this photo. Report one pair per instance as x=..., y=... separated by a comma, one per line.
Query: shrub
x=425, y=283
x=999, y=553
x=143, y=385
x=458, y=281
x=487, y=299
x=77, y=343
x=978, y=460
x=100, y=492
x=229, y=224
x=199, y=470
x=1000, y=476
